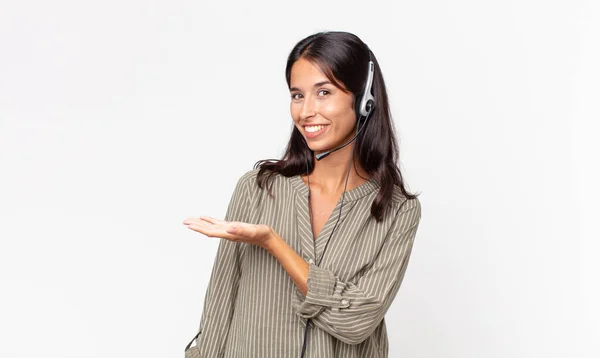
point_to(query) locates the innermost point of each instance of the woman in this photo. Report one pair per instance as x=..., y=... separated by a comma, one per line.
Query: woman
x=315, y=244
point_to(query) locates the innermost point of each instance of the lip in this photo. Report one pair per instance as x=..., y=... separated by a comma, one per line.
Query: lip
x=315, y=134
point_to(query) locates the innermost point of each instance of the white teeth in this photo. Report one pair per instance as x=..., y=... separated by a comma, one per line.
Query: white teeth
x=312, y=129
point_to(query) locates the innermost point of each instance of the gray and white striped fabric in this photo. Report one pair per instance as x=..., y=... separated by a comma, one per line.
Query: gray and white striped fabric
x=252, y=308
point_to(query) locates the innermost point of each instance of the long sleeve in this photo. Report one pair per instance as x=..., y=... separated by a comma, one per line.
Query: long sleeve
x=222, y=288
x=352, y=311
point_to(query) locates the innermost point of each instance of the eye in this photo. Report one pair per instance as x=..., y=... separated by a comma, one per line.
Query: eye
x=324, y=90
x=294, y=95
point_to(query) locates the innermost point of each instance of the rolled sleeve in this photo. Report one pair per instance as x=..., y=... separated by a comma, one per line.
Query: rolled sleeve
x=324, y=290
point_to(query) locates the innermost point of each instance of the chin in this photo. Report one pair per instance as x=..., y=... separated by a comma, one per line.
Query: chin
x=320, y=148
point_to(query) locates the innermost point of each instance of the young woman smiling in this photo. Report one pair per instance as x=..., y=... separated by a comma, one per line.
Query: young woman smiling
x=314, y=245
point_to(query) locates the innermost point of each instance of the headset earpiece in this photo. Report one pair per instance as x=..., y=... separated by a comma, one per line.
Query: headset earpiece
x=367, y=102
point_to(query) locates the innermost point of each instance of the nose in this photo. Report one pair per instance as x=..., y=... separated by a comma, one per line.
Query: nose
x=308, y=108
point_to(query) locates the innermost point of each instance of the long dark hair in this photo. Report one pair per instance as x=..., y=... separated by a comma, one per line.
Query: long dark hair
x=344, y=59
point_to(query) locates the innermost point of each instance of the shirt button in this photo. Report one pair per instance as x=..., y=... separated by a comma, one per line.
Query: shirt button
x=310, y=261
x=344, y=301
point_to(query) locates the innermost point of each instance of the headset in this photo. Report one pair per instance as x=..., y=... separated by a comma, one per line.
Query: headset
x=363, y=109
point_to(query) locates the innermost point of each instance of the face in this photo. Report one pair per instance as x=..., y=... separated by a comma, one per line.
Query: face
x=323, y=113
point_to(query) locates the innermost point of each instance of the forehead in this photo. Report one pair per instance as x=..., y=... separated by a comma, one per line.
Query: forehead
x=305, y=73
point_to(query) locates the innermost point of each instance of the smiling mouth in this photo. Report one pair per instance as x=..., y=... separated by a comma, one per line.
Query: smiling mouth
x=314, y=131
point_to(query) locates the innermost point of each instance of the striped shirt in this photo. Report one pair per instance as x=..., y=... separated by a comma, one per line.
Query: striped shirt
x=252, y=308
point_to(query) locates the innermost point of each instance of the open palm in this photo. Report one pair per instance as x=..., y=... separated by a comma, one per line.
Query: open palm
x=231, y=230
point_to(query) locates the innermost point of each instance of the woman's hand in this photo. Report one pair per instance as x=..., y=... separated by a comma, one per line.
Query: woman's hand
x=259, y=235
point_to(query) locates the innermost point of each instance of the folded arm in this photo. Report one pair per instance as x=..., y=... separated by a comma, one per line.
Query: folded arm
x=346, y=310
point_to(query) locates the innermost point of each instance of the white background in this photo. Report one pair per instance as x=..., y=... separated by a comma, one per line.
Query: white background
x=119, y=119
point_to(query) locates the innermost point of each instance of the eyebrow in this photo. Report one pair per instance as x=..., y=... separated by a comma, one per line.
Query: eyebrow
x=318, y=84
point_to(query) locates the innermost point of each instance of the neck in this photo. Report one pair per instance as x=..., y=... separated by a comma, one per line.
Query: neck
x=329, y=174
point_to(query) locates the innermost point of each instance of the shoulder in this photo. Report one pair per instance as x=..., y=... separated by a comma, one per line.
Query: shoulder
x=248, y=177
x=248, y=181
x=401, y=204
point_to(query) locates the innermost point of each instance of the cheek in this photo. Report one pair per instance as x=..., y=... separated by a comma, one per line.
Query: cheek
x=341, y=112
x=294, y=111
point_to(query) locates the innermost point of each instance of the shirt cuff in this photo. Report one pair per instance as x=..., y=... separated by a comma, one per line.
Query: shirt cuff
x=324, y=291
